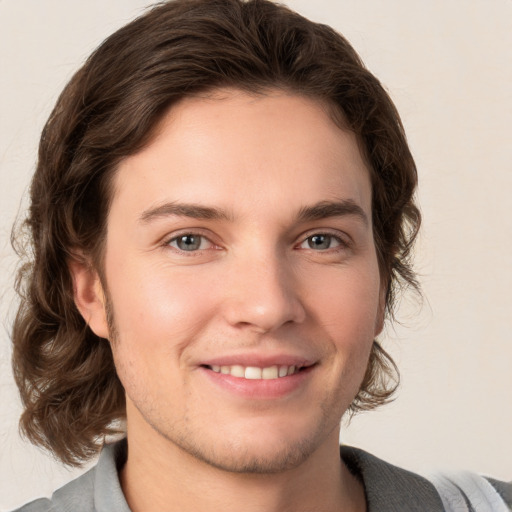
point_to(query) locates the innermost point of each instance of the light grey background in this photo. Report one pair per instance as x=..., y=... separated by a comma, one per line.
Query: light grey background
x=447, y=66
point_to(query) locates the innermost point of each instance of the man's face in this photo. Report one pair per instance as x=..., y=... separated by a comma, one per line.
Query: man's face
x=243, y=279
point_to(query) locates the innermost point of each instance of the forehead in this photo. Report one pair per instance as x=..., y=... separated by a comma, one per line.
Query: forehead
x=237, y=150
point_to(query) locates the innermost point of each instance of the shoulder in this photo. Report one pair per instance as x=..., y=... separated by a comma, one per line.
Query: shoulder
x=468, y=491
x=97, y=490
x=77, y=495
x=389, y=487
x=504, y=489
x=40, y=505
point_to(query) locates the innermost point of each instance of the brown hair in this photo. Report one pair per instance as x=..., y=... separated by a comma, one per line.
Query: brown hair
x=108, y=111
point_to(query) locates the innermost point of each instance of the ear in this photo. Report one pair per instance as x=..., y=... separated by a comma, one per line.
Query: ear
x=89, y=296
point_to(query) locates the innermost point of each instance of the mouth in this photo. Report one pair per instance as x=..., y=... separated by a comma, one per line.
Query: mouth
x=257, y=373
x=259, y=377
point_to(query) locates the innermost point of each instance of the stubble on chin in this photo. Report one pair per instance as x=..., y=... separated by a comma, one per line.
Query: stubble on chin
x=241, y=456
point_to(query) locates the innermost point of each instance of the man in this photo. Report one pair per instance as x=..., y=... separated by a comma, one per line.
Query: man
x=222, y=211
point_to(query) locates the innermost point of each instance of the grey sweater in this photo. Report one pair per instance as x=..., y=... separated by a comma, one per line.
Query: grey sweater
x=388, y=488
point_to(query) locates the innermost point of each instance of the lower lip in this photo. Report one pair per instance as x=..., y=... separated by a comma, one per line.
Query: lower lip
x=259, y=389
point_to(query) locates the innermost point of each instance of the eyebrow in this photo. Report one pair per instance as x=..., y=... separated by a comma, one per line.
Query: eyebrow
x=184, y=210
x=318, y=211
x=326, y=209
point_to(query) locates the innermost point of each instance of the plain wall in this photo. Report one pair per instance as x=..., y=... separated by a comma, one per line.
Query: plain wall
x=447, y=67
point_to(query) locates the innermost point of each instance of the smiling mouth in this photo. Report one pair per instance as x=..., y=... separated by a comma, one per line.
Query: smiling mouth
x=256, y=373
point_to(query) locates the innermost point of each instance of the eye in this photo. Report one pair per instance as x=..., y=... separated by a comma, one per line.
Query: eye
x=321, y=242
x=190, y=242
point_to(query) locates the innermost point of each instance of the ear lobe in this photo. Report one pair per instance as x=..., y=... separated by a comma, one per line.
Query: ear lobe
x=89, y=296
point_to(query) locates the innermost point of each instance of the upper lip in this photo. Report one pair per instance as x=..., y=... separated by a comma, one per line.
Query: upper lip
x=259, y=360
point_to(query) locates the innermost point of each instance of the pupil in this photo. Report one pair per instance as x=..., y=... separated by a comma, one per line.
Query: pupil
x=189, y=242
x=320, y=242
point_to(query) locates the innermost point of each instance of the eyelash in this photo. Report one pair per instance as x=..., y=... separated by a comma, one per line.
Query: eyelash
x=341, y=242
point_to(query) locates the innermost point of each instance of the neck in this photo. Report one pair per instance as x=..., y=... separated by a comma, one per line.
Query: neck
x=167, y=478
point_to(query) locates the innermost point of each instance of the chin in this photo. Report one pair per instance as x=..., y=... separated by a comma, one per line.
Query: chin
x=257, y=451
x=255, y=459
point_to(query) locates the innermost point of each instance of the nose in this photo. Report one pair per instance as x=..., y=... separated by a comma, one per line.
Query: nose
x=262, y=294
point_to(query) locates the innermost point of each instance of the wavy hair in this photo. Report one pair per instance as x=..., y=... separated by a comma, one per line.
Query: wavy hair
x=108, y=111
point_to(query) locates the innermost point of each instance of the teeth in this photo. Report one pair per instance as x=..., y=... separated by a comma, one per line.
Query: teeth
x=251, y=372
x=255, y=373
x=237, y=371
x=270, y=373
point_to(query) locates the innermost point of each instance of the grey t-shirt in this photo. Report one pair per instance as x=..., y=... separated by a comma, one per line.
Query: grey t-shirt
x=387, y=487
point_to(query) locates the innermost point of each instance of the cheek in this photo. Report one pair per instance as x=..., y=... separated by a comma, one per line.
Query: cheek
x=158, y=307
x=347, y=304
x=346, y=309
x=157, y=319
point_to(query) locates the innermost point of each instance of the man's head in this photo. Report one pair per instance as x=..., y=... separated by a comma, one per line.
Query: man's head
x=117, y=107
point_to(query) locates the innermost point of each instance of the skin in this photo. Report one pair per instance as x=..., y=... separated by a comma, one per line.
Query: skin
x=257, y=285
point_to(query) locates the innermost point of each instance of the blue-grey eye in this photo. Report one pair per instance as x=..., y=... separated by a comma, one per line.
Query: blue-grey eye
x=321, y=242
x=188, y=242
